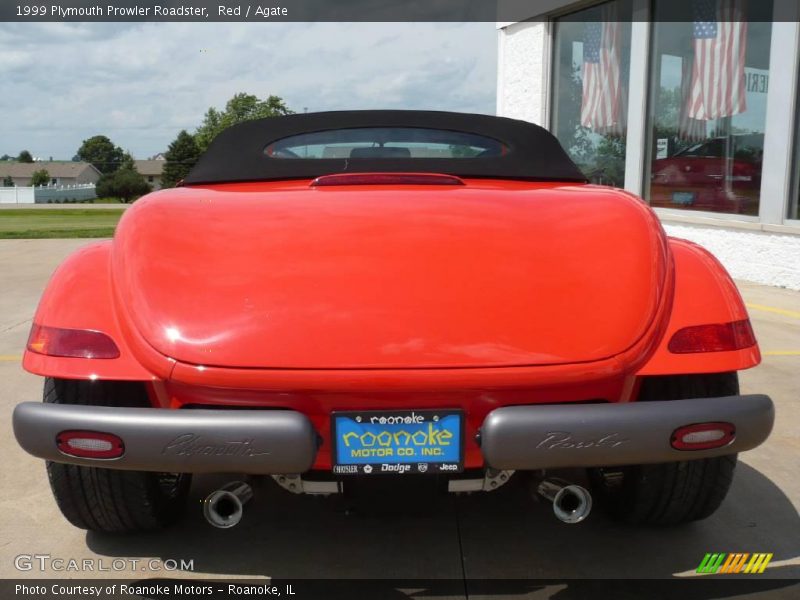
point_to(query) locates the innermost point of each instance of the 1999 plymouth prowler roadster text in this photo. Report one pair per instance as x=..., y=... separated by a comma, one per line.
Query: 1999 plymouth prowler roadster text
x=342, y=295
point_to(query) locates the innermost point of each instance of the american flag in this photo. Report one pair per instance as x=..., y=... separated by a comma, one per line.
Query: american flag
x=601, y=106
x=718, y=80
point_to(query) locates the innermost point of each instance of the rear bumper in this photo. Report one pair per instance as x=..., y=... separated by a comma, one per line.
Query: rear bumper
x=183, y=441
x=598, y=435
x=285, y=442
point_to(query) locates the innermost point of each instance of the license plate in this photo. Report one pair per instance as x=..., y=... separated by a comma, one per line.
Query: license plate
x=683, y=198
x=397, y=442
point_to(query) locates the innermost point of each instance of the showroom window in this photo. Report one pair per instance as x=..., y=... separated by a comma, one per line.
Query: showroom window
x=709, y=80
x=591, y=66
x=793, y=211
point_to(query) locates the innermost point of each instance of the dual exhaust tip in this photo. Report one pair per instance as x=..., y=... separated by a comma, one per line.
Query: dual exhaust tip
x=572, y=503
x=224, y=507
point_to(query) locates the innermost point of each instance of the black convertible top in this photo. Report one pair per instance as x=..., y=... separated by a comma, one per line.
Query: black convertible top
x=239, y=153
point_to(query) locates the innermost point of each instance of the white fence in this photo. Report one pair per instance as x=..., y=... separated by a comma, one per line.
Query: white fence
x=47, y=194
x=17, y=195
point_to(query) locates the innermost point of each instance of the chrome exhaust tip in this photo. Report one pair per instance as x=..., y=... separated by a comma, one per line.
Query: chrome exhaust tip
x=571, y=503
x=224, y=507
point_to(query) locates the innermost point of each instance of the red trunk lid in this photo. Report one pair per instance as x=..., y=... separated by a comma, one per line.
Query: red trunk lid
x=487, y=274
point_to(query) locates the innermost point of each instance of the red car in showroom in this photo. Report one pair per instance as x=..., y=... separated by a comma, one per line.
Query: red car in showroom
x=719, y=175
x=333, y=297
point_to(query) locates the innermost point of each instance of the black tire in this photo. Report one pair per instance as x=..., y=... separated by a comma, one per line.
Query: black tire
x=109, y=500
x=670, y=493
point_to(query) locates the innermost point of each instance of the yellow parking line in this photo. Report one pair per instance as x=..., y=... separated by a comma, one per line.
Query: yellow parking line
x=10, y=358
x=795, y=314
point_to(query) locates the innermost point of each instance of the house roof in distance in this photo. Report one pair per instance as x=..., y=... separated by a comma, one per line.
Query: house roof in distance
x=54, y=168
x=149, y=167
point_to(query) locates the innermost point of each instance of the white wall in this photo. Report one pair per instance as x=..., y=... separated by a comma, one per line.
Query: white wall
x=760, y=257
x=524, y=59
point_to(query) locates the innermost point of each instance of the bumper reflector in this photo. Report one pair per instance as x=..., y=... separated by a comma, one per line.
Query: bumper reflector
x=90, y=444
x=703, y=436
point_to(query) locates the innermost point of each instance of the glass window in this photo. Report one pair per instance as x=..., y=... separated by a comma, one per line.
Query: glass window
x=708, y=105
x=591, y=66
x=385, y=142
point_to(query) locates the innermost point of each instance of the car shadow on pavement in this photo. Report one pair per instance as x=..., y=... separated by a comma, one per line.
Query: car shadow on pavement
x=298, y=536
x=518, y=541
x=484, y=538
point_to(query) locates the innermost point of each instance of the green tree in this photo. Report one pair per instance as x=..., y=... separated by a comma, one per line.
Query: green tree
x=574, y=137
x=25, y=157
x=102, y=153
x=180, y=158
x=209, y=128
x=242, y=107
x=667, y=113
x=126, y=184
x=127, y=161
x=610, y=162
x=601, y=157
x=40, y=177
x=7, y=181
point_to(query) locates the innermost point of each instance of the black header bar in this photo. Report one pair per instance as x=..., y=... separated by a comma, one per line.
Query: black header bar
x=262, y=11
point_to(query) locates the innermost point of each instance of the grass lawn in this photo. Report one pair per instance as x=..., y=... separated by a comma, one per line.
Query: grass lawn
x=55, y=223
x=106, y=201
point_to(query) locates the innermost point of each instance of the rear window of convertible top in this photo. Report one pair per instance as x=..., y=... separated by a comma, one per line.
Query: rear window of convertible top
x=385, y=142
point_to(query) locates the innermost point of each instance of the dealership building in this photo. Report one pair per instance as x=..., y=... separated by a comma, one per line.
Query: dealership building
x=695, y=112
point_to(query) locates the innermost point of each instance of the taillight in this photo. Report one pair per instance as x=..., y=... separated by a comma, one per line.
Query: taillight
x=386, y=179
x=90, y=444
x=741, y=172
x=703, y=436
x=716, y=337
x=71, y=343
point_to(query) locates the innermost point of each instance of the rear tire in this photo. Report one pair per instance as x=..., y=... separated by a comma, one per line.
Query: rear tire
x=109, y=500
x=670, y=493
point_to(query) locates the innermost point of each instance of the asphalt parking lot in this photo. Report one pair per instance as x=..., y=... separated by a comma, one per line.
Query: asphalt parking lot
x=498, y=535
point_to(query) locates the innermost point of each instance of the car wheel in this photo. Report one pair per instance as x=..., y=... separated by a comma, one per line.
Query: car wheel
x=110, y=500
x=676, y=492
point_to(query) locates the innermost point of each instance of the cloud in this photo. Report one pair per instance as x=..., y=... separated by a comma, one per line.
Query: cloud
x=140, y=83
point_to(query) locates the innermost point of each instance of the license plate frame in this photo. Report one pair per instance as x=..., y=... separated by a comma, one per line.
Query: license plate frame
x=368, y=421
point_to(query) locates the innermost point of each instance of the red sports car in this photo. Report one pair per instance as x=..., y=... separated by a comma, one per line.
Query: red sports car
x=347, y=295
x=721, y=175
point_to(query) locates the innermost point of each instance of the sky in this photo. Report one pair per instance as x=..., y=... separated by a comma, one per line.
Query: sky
x=141, y=83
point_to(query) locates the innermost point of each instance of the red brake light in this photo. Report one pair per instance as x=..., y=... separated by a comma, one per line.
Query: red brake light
x=703, y=436
x=716, y=337
x=71, y=343
x=90, y=444
x=387, y=179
